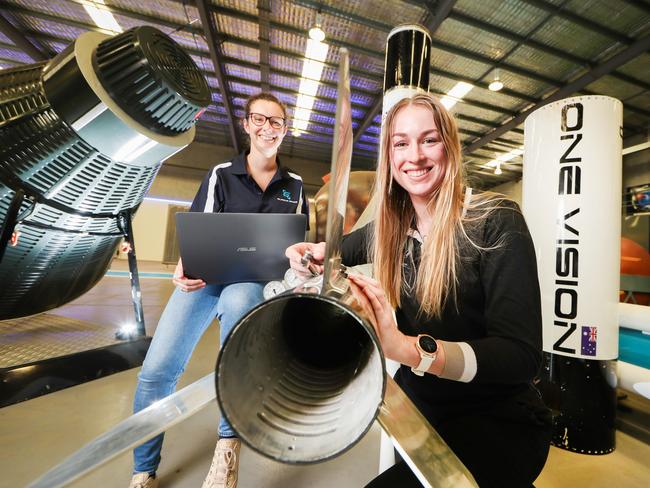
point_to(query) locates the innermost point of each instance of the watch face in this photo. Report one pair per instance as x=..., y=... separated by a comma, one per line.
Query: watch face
x=428, y=344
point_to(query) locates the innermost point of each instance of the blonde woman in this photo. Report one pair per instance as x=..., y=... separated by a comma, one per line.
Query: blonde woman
x=460, y=272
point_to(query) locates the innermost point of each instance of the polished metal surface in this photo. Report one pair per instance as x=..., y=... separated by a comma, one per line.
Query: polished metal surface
x=142, y=426
x=314, y=377
x=426, y=453
x=339, y=173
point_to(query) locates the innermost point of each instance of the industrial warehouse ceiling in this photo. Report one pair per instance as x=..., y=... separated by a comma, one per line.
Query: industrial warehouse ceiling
x=542, y=50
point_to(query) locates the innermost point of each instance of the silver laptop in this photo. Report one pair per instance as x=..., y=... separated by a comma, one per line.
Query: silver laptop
x=227, y=248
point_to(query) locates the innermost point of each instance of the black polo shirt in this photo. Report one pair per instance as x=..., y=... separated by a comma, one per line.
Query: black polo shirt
x=229, y=188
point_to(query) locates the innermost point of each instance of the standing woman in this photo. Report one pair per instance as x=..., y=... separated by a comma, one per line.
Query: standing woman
x=252, y=182
x=460, y=272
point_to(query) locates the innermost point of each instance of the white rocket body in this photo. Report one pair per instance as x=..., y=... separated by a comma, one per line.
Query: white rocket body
x=572, y=203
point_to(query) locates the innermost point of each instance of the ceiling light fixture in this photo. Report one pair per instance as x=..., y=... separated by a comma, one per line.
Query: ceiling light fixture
x=454, y=95
x=496, y=83
x=312, y=68
x=103, y=17
x=496, y=163
x=316, y=32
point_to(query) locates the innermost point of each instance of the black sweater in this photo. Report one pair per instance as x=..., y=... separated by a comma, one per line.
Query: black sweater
x=497, y=312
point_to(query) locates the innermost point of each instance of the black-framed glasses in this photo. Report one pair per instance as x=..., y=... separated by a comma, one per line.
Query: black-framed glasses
x=260, y=119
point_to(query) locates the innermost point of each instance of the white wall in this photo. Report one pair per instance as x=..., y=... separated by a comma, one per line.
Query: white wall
x=149, y=228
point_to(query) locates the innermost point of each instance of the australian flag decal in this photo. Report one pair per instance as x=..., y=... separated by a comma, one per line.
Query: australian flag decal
x=588, y=341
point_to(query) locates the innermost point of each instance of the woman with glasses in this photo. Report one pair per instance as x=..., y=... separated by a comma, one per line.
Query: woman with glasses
x=252, y=182
x=459, y=270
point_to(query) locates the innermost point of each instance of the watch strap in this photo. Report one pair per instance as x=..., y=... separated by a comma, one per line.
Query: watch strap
x=425, y=364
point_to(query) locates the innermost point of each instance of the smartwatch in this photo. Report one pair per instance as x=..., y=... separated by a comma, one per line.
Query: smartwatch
x=428, y=349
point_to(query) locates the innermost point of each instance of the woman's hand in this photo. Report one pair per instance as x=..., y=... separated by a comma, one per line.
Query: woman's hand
x=373, y=301
x=184, y=283
x=296, y=252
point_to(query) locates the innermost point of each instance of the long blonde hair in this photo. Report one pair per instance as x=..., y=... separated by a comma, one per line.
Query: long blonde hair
x=437, y=274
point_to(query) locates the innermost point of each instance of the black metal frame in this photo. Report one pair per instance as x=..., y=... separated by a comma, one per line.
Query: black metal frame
x=124, y=220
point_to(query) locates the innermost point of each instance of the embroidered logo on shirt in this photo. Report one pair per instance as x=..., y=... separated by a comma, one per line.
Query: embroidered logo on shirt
x=286, y=197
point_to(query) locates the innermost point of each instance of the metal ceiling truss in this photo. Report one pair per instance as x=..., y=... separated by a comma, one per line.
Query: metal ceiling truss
x=19, y=39
x=436, y=44
x=559, y=11
x=640, y=4
x=634, y=50
x=527, y=41
x=353, y=48
x=264, y=9
x=433, y=14
x=212, y=36
x=244, y=16
x=447, y=6
x=436, y=71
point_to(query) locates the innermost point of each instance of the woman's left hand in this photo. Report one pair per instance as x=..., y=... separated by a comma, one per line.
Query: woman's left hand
x=374, y=302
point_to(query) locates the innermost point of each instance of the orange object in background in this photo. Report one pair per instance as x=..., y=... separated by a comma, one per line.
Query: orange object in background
x=359, y=189
x=635, y=260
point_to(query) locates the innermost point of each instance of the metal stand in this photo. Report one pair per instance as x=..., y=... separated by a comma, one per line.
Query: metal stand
x=8, y=226
x=124, y=222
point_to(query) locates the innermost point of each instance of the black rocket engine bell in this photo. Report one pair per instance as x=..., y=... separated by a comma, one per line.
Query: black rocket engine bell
x=81, y=139
x=408, y=59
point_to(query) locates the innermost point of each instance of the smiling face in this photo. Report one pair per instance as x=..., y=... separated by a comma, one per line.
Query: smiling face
x=265, y=139
x=417, y=154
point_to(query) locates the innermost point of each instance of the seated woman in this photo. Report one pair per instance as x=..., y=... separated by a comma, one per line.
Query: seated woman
x=460, y=272
x=252, y=182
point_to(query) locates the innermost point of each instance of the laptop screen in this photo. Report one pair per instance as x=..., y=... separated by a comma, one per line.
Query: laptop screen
x=224, y=248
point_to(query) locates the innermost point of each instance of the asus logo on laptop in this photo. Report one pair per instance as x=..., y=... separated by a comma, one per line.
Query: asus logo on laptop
x=246, y=249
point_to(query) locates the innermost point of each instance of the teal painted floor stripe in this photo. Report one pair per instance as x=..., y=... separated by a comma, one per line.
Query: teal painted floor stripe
x=634, y=347
x=142, y=274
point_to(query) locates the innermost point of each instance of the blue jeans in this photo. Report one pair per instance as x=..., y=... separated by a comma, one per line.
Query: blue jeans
x=183, y=322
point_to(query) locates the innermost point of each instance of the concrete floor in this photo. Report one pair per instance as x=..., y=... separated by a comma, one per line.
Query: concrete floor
x=38, y=434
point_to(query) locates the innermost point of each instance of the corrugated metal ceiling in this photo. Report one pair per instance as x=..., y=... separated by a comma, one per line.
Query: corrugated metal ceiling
x=539, y=46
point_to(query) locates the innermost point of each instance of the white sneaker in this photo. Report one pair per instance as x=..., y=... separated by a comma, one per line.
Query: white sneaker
x=144, y=480
x=225, y=465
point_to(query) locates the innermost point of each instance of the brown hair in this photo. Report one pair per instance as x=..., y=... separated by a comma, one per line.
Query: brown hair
x=437, y=274
x=264, y=96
